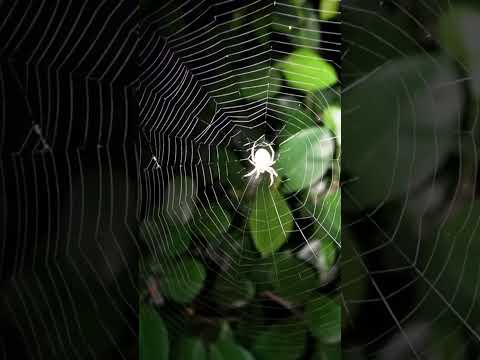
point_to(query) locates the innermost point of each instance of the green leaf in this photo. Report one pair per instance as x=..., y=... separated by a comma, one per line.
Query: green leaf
x=324, y=319
x=329, y=9
x=228, y=350
x=448, y=341
x=305, y=70
x=459, y=30
x=305, y=157
x=333, y=120
x=190, y=349
x=298, y=3
x=232, y=292
x=320, y=100
x=251, y=323
x=322, y=254
x=271, y=220
x=225, y=332
x=328, y=352
x=179, y=199
x=262, y=272
x=293, y=280
x=293, y=115
x=289, y=278
x=328, y=215
x=284, y=275
x=169, y=239
x=282, y=341
x=412, y=124
x=451, y=263
x=211, y=222
x=399, y=29
x=154, y=343
x=259, y=81
x=354, y=279
x=183, y=281
x=328, y=255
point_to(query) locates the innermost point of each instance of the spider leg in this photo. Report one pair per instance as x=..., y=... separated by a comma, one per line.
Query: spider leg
x=272, y=173
x=272, y=153
x=250, y=173
x=252, y=154
x=251, y=162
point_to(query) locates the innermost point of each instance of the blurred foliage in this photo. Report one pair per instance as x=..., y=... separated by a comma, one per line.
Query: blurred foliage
x=304, y=69
x=410, y=170
x=418, y=114
x=458, y=30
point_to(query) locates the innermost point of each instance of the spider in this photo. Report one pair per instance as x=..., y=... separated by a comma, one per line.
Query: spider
x=262, y=160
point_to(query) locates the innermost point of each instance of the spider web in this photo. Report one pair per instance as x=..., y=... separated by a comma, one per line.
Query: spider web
x=210, y=89
x=68, y=179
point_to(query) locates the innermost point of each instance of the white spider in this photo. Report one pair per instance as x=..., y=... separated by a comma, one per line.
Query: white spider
x=262, y=160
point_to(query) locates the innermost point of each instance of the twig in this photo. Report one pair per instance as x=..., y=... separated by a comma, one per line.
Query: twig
x=281, y=301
